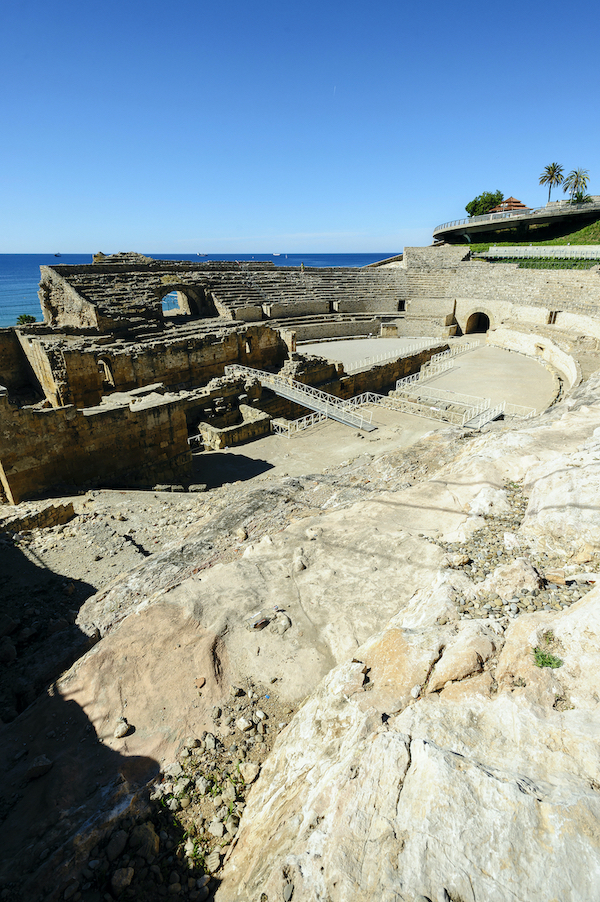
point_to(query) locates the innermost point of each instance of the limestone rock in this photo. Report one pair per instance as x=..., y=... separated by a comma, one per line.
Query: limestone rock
x=243, y=724
x=122, y=728
x=510, y=579
x=466, y=795
x=121, y=879
x=38, y=767
x=249, y=771
x=559, y=507
x=144, y=841
x=465, y=655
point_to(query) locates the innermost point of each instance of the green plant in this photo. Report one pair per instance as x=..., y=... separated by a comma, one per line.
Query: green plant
x=542, y=656
x=484, y=202
x=580, y=197
x=545, y=658
x=551, y=176
x=577, y=180
x=24, y=318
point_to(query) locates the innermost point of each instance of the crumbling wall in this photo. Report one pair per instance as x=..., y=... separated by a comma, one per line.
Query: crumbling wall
x=253, y=424
x=44, y=450
x=81, y=372
x=15, y=371
x=62, y=304
x=47, y=367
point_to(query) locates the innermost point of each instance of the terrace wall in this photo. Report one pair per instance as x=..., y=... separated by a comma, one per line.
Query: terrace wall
x=46, y=450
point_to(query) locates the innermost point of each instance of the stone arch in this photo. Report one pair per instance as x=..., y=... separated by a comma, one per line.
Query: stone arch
x=191, y=300
x=105, y=370
x=478, y=322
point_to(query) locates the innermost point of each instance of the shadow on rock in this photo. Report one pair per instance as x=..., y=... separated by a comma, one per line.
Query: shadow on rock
x=38, y=638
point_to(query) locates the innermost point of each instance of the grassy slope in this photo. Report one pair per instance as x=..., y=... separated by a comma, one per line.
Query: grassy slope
x=590, y=234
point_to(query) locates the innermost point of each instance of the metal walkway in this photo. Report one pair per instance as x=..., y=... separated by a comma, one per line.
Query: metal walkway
x=307, y=396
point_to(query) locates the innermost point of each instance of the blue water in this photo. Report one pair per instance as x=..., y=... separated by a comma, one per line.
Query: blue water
x=20, y=273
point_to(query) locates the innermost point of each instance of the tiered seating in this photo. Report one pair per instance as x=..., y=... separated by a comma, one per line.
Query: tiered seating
x=291, y=291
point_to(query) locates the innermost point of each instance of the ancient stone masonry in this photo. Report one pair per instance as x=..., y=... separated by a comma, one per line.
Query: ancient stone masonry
x=105, y=336
x=134, y=443
x=81, y=370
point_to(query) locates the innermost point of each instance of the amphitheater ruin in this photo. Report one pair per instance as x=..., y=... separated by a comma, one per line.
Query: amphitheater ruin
x=113, y=389
x=311, y=674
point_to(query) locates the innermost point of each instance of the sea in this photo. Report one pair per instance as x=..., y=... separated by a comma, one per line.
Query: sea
x=20, y=273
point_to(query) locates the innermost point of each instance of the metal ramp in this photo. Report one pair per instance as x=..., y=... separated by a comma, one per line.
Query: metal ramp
x=307, y=396
x=485, y=416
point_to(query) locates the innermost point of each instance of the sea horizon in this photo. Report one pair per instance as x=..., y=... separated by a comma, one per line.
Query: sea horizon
x=20, y=273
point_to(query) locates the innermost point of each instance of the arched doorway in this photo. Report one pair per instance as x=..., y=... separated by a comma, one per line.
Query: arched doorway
x=187, y=301
x=180, y=302
x=105, y=370
x=477, y=322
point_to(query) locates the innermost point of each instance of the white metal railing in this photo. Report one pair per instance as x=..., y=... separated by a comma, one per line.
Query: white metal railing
x=439, y=363
x=474, y=406
x=565, y=207
x=441, y=394
x=389, y=355
x=456, y=350
x=291, y=427
x=428, y=371
x=430, y=408
x=302, y=394
x=518, y=410
x=431, y=411
x=367, y=397
x=556, y=252
x=481, y=417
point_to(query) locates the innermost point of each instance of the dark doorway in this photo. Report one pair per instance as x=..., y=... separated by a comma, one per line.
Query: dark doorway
x=477, y=322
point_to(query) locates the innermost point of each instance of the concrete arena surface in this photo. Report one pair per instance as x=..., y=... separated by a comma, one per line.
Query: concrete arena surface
x=487, y=372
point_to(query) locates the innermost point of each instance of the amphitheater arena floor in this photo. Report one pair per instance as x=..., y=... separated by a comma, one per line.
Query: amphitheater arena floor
x=487, y=372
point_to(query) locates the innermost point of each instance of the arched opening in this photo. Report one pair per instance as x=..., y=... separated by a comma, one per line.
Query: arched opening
x=187, y=301
x=178, y=303
x=105, y=371
x=170, y=302
x=477, y=322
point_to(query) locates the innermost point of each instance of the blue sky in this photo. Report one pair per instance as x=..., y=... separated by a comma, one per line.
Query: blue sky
x=272, y=127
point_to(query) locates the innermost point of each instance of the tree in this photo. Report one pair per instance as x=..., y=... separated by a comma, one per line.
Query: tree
x=484, y=202
x=552, y=176
x=24, y=318
x=576, y=181
x=580, y=198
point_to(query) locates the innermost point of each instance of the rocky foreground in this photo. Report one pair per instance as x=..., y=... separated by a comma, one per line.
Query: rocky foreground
x=379, y=682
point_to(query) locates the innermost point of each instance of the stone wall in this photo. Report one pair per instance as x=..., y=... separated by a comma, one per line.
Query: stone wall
x=253, y=424
x=359, y=304
x=62, y=304
x=46, y=450
x=316, y=331
x=40, y=515
x=81, y=372
x=15, y=372
x=539, y=346
x=300, y=308
x=434, y=258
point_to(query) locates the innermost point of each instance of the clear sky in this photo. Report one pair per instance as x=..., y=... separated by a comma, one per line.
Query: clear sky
x=271, y=127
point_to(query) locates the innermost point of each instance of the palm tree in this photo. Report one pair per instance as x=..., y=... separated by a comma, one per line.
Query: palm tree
x=551, y=176
x=577, y=180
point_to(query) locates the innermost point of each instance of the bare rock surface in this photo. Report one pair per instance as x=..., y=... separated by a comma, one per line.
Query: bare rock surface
x=480, y=788
x=432, y=755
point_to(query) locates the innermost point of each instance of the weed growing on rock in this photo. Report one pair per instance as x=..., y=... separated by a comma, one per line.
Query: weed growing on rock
x=544, y=658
